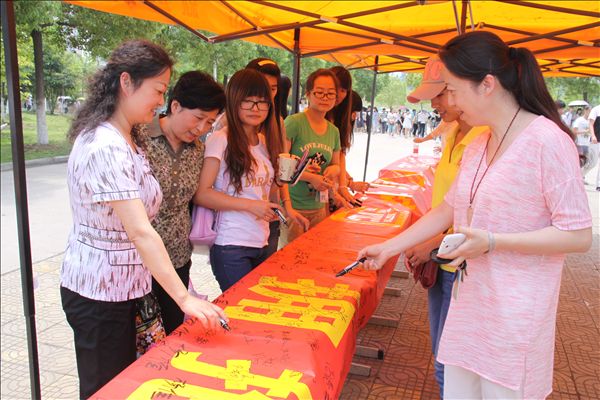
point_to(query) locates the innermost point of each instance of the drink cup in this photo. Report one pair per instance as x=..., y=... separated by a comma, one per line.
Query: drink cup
x=416, y=148
x=287, y=166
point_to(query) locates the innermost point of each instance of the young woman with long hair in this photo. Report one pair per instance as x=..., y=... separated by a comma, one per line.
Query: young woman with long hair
x=341, y=116
x=311, y=130
x=519, y=200
x=176, y=154
x=238, y=176
x=113, y=251
x=270, y=70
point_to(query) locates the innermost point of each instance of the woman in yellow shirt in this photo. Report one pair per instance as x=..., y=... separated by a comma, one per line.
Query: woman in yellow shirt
x=458, y=137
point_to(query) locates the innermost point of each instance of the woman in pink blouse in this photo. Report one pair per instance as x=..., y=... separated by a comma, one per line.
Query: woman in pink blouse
x=113, y=251
x=520, y=201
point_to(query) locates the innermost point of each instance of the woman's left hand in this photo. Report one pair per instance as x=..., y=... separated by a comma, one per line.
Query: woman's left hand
x=475, y=245
x=298, y=218
x=340, y=202
x=345, y=194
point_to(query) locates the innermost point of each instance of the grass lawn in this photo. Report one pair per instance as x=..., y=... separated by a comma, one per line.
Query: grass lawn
x=57, y=135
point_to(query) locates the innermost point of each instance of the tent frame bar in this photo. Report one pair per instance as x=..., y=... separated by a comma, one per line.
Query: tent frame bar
x=175, y=19
x=523, y=3
x=370, y=125
x=9, y=37
x=552, y=35
x=253, y=25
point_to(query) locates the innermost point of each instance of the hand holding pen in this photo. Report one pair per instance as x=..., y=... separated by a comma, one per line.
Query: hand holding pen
x=350, y=267
x=281, y=217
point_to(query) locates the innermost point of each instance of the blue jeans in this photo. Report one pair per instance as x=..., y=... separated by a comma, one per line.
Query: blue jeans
x=231, y=263
x=439, y=301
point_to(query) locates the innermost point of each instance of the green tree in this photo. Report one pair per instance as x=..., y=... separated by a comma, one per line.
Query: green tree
x=98, y=32
x=59, y=75
x=33, y=18
x=569, y=89
x=393, y=94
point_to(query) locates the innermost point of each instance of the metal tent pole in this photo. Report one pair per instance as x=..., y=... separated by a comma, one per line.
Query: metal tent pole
x=16, y=134
x=296, y=72
x=370, y=126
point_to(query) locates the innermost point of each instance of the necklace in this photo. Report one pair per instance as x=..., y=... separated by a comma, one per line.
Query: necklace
x=472, y=192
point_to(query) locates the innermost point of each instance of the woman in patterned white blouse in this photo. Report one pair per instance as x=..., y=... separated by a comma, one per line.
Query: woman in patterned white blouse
x=113, y=251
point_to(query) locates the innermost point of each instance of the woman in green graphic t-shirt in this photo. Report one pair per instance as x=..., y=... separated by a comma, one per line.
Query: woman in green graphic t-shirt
x=311, y=130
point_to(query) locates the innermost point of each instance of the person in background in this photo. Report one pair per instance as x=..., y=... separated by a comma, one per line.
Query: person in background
x=520, y=202
x=407, y=123
x=176, y=155
x=422, y=117
x=285, y=84
x=581, y=125
x=113, y=251
x=310, y=130
x=561, y=107
x=237, y=177
x=459, y=135
x=594, y=121
x=341, y=117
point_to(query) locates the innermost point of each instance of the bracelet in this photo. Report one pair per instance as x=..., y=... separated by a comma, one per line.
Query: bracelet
x=491, y=242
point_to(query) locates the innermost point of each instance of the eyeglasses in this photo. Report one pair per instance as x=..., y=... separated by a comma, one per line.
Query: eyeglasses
x=324, y=95
x=261, y=105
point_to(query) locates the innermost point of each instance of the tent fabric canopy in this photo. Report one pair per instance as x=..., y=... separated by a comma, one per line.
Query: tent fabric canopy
x=564, y=35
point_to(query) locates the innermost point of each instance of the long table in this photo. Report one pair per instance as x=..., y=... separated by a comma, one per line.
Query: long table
x=293, y=323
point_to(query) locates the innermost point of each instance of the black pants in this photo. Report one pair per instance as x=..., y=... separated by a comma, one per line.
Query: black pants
x=172, y=315
x=274, y=233
x=104, y=335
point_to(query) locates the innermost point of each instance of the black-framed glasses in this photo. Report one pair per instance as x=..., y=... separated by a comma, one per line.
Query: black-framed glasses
x=261, y=105
x=324, y=95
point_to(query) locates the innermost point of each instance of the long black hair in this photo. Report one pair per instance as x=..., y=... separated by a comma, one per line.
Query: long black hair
x=341, y=114
x=285, y=84
x=141, y=59
x=247, y=83
x=474, y=55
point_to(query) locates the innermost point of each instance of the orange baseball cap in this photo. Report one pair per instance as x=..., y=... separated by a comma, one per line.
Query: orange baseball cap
x=432, y=83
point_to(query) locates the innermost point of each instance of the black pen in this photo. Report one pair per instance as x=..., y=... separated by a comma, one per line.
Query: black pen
x=350, y=267
x=280, y=216
x=224, y=324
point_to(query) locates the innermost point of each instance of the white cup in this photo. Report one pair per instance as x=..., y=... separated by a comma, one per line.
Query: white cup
x=287, y=166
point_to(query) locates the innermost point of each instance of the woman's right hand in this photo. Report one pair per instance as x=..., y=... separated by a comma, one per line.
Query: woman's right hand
x=376, y=255
x=319, y=182
x=263, y=209
x=207, y=313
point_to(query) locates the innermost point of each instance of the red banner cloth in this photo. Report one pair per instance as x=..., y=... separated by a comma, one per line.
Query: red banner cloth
x=293, y=323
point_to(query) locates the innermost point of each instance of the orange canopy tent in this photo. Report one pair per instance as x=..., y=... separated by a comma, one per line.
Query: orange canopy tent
x=385, y=36
x=564, y=35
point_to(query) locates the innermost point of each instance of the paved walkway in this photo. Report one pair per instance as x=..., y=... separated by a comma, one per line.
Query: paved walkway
x=406, y=371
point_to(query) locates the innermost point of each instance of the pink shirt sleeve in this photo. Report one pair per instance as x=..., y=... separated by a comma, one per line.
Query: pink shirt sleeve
x=562, y=184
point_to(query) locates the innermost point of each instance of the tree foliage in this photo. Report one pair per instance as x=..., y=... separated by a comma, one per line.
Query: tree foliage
x=77, y=39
